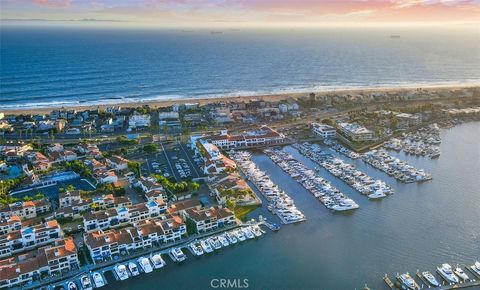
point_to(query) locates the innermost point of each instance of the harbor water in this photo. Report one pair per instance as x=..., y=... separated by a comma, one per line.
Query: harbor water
x=421, y=226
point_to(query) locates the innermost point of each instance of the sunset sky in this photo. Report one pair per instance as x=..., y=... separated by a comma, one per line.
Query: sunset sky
x=242, y=13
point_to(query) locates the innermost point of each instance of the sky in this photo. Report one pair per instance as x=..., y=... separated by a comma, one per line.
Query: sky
x=242, y=13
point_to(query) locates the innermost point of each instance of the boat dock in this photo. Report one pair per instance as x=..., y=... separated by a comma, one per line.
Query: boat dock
x=445, y=284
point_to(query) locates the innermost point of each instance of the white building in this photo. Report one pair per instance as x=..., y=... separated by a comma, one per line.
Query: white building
x=324, y=131
x=355, y=132
x=138, y=121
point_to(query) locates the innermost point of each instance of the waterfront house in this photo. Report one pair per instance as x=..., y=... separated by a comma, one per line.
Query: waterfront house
x=355, y=132
x=208, y=219
x=46, y=261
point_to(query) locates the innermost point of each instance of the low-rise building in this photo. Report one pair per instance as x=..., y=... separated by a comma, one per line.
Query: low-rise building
x=355, y=132
x=29, y=237
x=25, y=210
x=46, y=261
x=208, y=219
x=117, y=163
x=324, y=131
x=10, y=224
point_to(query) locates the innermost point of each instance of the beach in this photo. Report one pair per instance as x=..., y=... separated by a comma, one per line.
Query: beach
x=448, y=91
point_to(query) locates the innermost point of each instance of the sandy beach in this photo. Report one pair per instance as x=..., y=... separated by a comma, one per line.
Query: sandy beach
x=452, y=90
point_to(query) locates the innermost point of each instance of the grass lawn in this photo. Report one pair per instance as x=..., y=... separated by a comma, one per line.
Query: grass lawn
x=242, y=211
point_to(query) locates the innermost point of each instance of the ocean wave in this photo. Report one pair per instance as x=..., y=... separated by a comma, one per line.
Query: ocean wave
x=140, y=99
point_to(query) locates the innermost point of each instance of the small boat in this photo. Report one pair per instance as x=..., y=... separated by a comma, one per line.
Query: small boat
x=157, y=261
x=377, y=194
x=248, y=233
x=121, y=272
x=408, y=282
x=195, y=248
x=231, y=238
x=86, y=282
x=476, y=268
x=460, y=273
x=177, y=255
x=214, y=243
x=145, y=265
x=446, y=271
x=72, y=286
x=133, y=269
x=206, y=246
x=98, y=280
x=223, y=241
x=430, y=278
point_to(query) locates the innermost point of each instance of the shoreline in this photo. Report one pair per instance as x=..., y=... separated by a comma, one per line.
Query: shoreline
x=246, y=98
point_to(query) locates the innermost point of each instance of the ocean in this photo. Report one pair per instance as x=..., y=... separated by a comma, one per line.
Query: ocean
x=419, y=227
x=51, y=67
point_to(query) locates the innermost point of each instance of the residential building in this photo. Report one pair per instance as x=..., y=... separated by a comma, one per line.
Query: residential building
x=117, y=163
x=25, y=210
x=46, y=261
x=208, y=219
x=324, y=131
x=355, y=132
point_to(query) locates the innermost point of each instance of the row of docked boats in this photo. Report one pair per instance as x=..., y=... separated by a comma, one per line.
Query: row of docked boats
x=417, y=148
x=366, y=185
x=279, y=202
x=342, y=149
x=197, y=248
x=87, y=282
x=450, y=275
x=142, y=264
x=321, y=188
x=232, y=237
x=395, y=167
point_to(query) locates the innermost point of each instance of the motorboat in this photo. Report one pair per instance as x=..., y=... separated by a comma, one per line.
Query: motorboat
x=248, y=233
x=86, y=282
x=430, y=279
x=177, y=255
x=476, y=268
x=446, y=271
x=132, y=267
x=121, y=272
x=98, y=280
x=206, y=246
x=231, y=238
x=346, y=204
x=195, y=248
x=377, y=194
x=72, y=286
x=408, y=282
x=157, y=261
x=460, y=273
x=240, y=235
x=145, y=265
x=223, y=241
x=256, y=230
x=214, y=243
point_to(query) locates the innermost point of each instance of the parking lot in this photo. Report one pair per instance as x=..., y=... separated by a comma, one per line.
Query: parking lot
x=175, y=160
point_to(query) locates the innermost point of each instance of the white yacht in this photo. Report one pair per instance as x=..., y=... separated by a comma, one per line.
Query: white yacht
x=447, y=273
x=86, y=282
x=231, y=238
x=157, y=261
x=195, y=248
x=408, y=282
x=248, y=233
x=206, y=246
x=476, y=268
x=460, y=273
x=121, y=272
x=72, y=286
x=346, y=204
x=240, y=235
x=377, y=194
x=132, y=267
x=256, y=230
x=214, y=243
x=177, y=255
x=223, y=241
x=98, y=280
x=145, y=265
x=430, y=279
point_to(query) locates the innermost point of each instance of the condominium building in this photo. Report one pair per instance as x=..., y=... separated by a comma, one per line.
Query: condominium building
x=324, y=131
x=208, y=219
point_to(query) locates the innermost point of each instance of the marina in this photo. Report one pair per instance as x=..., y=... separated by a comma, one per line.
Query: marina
x=279, y=202
x=423, y=142
x=446, y=277
x=155, y=260
x=395, y=167
x=321, y=188
x=366, y=185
